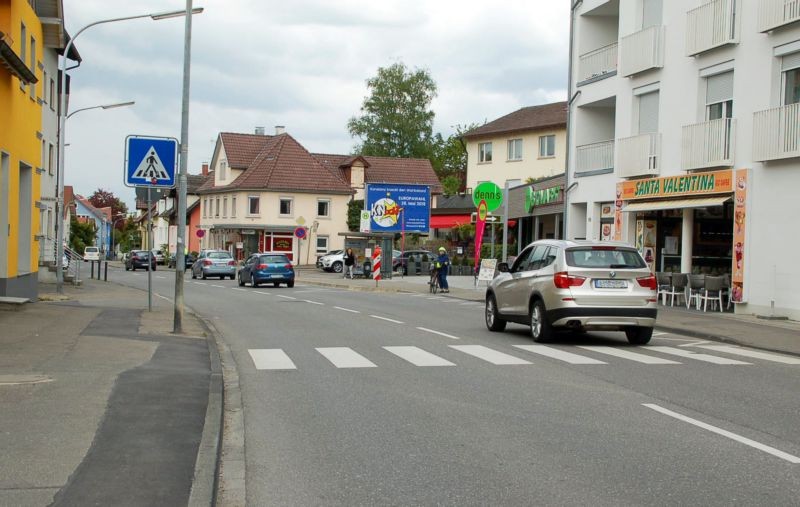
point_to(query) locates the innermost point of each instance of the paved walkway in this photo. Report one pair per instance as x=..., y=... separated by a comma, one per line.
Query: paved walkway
x=781, y=336
x=99, y=403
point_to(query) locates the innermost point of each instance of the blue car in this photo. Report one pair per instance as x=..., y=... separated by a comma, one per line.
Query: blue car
x=267, y=268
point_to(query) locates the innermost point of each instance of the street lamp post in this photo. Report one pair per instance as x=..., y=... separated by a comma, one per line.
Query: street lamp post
x=105, y=106
x=62, y=116
x=113, y=225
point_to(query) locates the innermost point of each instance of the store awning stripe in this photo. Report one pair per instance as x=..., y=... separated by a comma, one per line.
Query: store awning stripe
x=448, y=221
x=698, y=202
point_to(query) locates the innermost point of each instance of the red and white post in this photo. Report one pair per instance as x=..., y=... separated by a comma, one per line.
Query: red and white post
x=376, y=264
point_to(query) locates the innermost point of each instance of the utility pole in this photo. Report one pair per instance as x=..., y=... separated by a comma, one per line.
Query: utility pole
x=180, y=259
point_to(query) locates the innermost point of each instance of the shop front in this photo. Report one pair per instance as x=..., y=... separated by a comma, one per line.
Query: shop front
x=689, y=223
x=243, y=241
x=539, y=209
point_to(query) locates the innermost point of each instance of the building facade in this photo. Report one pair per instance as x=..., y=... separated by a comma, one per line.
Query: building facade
x=675, y=146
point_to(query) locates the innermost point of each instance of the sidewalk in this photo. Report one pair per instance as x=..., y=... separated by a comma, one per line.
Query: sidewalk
x=779, y=336
x=100, y=404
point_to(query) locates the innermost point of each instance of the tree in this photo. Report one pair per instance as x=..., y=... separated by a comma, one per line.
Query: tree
x=396, y=119
x=81, y=234
x=105, y=198
x=354, y=208
x=450, y=159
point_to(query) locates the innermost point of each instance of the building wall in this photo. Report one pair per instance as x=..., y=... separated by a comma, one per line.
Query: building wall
x=501, y=169
x=49, y=156
x=21, y=122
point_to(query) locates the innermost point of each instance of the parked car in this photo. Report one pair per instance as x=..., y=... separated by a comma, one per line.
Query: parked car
x=333, y=261
x=580, y=285
x=332, y=252
x=91, y=253
x=401, y=260
x=214, y=263
x=160, y=259
x=267, y=268
x=188, y=260
x=138, y=259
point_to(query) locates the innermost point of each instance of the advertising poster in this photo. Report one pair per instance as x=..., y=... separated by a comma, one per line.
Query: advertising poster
x=739, y=220
x=399, y=207
x=618, y=214
x=646, y=241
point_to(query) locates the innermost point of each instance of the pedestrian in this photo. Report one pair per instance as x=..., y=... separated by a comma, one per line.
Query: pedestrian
x=442, y=265
x=349, y=262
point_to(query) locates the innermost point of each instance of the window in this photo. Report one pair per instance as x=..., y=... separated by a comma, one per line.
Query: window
x=204, y=206
x=790, y=68
x=233, y=207
x=515, y=149
x=223, y=165
x=23, y=49
x=604, y=257
x=52, y=94
x=33, y=67
x=216, y=209
x=286, y=206
x=253, y=203
x=648, y=113
x=224, y=207
x=322, y=244
x=44, y=86
x=323, y=207
x=51, y=157
x=719, y=96
x=485, y=152
x=547, y=146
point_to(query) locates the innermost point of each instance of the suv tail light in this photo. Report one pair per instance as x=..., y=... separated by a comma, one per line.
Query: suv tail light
x=648, y=281
x=564, y=280
x=207, y=262
x=261, y=266
x=231, y=263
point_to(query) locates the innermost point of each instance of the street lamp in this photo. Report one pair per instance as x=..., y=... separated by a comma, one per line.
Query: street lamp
x=62, y=124
x=106, y=106
x=113, y=226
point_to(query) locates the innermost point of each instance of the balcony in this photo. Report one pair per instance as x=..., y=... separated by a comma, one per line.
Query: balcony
x=711, y=25
x=639, y=155
x=775, y=13
x=642, y=50
x=776, y=133
x=595, y=157
x=598, y=64
x=708, y=144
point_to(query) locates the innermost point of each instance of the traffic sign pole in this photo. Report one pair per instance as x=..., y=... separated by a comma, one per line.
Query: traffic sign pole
x=149, y=253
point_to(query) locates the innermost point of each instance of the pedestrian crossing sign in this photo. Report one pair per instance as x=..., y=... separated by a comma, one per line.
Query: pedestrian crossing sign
x=150, y=161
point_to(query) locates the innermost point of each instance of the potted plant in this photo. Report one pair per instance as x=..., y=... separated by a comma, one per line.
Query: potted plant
x=425, y=265
x=411, y=265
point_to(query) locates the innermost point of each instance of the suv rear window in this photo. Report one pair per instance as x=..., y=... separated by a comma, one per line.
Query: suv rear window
x=218, y=255
x=273, y=259
x=91, y=249
x=604, y=257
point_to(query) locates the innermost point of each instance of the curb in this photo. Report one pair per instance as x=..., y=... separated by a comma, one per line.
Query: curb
x=719, y=338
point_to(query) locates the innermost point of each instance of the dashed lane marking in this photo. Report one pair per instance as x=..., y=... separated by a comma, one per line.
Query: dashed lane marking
x=285, y=297
x=439, y=333
x=218, y=286
x=313, y=302
x=387, y=319
x=346, y=309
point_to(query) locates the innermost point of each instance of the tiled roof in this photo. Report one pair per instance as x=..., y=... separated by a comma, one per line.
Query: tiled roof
x=193, y=182
x=388, y=169
x=527, y=118
x=242, y=149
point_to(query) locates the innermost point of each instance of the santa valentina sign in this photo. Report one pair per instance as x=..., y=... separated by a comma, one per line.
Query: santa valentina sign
x=540, y=197
x=672, y=186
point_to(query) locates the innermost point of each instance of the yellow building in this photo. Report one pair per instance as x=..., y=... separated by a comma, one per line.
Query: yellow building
x=21, y=49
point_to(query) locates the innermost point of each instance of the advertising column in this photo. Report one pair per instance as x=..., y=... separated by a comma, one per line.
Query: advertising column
x=739, y=219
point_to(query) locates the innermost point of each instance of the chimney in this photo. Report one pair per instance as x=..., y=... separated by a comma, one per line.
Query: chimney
x=279, y=129
x=259, y=131
x=205, y=169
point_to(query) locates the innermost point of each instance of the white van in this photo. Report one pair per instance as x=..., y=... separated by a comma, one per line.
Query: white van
x=91, y=253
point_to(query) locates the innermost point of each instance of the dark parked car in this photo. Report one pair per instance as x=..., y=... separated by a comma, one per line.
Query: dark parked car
x=401, y=260
x=188, y=260
x=267, y=268
x=138, y=260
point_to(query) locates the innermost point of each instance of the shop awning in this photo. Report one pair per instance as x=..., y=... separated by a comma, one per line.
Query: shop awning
x=448, y=221
x=696, y=202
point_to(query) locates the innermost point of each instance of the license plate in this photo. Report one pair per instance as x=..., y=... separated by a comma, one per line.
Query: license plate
x=276, y=276
x=610, y=284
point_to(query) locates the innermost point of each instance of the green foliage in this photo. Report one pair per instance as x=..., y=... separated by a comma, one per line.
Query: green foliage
x=81, y=234
x=396, y=119
x=354, y=208
x=451, y=184
x=425, y=258
x=450, y=157
x=105, y=198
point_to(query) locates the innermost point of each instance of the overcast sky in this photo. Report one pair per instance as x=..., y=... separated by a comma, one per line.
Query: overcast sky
x=299, y=63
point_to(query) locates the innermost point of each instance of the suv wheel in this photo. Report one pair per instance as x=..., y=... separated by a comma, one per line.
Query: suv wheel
x=241, y=282
x=541, y=330
x=639, y=335
x=337, y=267
x=493, y=320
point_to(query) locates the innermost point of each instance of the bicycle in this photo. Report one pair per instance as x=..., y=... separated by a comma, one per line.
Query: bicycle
x=434, y=281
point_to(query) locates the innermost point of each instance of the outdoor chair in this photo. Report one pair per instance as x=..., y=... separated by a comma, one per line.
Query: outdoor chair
x=679, y=282
x=697, y=284
x=726, y=287
x=664, y=286
x=712, y=291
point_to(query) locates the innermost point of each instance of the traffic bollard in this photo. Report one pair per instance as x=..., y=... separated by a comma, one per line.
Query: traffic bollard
x=105, y=273
x=92, y=274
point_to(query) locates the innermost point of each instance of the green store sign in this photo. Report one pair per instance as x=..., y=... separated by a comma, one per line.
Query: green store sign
x=541, y=197
x=489, y=192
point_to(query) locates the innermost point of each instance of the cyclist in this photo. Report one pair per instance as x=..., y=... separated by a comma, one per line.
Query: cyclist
x=442, y=264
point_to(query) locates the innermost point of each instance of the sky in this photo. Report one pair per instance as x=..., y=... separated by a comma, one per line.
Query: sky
x=302, y=64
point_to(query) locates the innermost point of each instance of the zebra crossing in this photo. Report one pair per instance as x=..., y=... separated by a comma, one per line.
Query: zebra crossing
x=347, y=357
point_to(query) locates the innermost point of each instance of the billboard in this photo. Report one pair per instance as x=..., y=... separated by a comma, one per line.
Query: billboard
x=399, y=207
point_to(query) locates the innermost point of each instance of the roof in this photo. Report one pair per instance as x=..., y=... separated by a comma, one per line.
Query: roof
x=242, y=149
x=417, y=171
x=194, y=182
x=528, y=118
x=453, y=203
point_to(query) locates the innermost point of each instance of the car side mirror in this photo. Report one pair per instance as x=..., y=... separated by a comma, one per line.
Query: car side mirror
x=503, y=267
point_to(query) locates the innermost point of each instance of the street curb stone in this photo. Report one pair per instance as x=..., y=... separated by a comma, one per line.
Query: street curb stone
x=719, y=338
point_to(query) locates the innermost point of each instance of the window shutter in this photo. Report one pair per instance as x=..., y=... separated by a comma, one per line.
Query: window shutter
x=651, y=13
x=719, y=88
x=648, y=113
x=790, y=61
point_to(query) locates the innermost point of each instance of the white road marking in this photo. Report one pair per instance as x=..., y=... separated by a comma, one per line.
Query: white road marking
x=261, y=292
x=285, y=297
x=162, y=297
x=271, y=359
x=625, y=354
x=345, y=357
x=346, y=309
x=739, y=351
x=218, y=286
x=161, y=277
x=489, y=355
x=418, y=357
x=387, y=319
x=692, y=355
x=561, y=355
x=243, y=290
x=313, y=302
x=436, y=298
x=199, y=283
x=439, y=333
x=467, y=303
x=695, y=343
x=725, y=433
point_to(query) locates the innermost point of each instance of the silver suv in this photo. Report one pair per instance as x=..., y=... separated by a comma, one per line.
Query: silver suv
x=581, y=285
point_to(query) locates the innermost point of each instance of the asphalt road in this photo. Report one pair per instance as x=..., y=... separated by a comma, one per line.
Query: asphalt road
x=365, y=398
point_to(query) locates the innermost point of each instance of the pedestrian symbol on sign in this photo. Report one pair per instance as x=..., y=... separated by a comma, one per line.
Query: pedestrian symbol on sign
x=151, y=167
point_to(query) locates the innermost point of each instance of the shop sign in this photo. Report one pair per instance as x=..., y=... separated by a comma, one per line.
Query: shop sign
x=541, y=197
x=489, y=192
x=715, y=182
x=282, y=244
x=248, y=232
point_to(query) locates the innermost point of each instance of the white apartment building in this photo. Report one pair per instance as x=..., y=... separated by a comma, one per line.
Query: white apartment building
x=685, y=138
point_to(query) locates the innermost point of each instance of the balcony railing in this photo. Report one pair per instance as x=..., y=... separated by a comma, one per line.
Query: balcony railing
x=776, y=133
x=711, y=25
x=639, y=155
x=775, y=13
x=709, y=144
x=595, y=157
x=598, y=63
x=642, y=50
